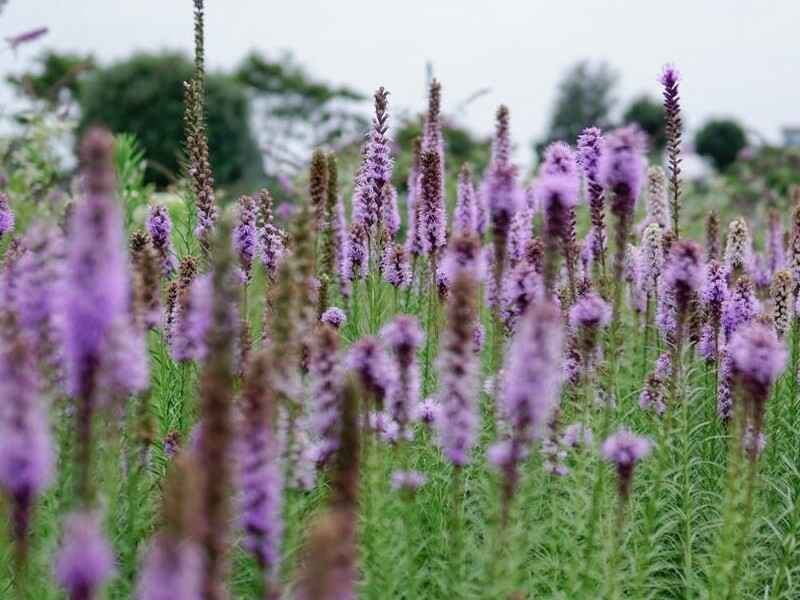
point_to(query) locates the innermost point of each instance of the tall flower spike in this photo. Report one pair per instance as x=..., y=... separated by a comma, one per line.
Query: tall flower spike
x=621, y=169
x=712, y=237
x=391, y=212
x=357, y=257
x=318, y=187
x=159, y=225
x=172, y=565
x=683, y=274
x=432, y=210
x=624, y=450
x=271, y=239
x=557, y=194
x=96, y=289
x=26, y=448
x=200, y=173
x=216, y=409
x=329, y=571
x=379, y=162
x=245, y=239
x=459, y=365
x=713, y=297
x=396, y=267
x=738, y=248
x=465, y=216
x=652, y=259
x=781, y=293
x=776, y=253
x=404, y=336
x=261, y=476
x=794, y=249
x=674, y=126
x=329, y=227
x=192, y=320
x=740, y=308
x=376, y=373
x=85, y=560
x=39, y=289
x=147, y=281
x=501, y=192
x=657, y=211
x=589, y=315
x=590, y=148
x=530, y=389
x=433, y=140
x=520, y=233
x=414, y=235
x=6, y=215
x=335, y=317
x=758, y=359
x=326, y=376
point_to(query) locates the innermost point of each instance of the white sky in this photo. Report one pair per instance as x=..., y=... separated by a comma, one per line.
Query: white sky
x=738, y=57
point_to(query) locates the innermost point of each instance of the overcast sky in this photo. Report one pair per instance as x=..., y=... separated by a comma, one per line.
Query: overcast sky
x=738, y=57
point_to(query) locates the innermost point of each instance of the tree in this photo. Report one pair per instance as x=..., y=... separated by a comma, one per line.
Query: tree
x=585, y=98
x=721, y=140
x=143, y=95
x=649, y=115
x=54, y=74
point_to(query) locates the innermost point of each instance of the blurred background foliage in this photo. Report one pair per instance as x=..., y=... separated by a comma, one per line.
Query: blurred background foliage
x=268, y=113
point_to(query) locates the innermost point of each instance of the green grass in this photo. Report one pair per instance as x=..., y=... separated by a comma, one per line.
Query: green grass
x=670, y=546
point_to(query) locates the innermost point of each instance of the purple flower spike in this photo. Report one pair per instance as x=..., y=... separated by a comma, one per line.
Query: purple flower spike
x=192, y=323
x=170, y=570
x=432, y=209
x=624, y=450
x=426, y=411
x=369, y=360
x=533, y=378
x=85, y=560
x=758, y=355
x=408, y=481
x=26, y=447
x=684, y=272
x=590, y=311
x=245, y=241
x=357, y=255
x=335, y=317
x=6, y=215
x=159, y=225
x=396, y=267
x=96, y=280
x=559, y=159
x=465, y=216
x=590, y=149
x=404, y=336
x=459, y=365
x=740, y=308
x=622, y=167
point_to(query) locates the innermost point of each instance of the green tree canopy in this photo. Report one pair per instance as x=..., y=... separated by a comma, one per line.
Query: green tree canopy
x=648, y=114
x=143, y=95
x=53, y=73
x=720, y=140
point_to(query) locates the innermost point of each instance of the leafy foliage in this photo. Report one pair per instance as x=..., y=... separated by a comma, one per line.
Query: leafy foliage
x=143, y=95
x=648, y=114
x=721, y=141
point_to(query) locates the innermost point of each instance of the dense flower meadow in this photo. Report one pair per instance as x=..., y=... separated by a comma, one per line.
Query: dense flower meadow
x=400, y=395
